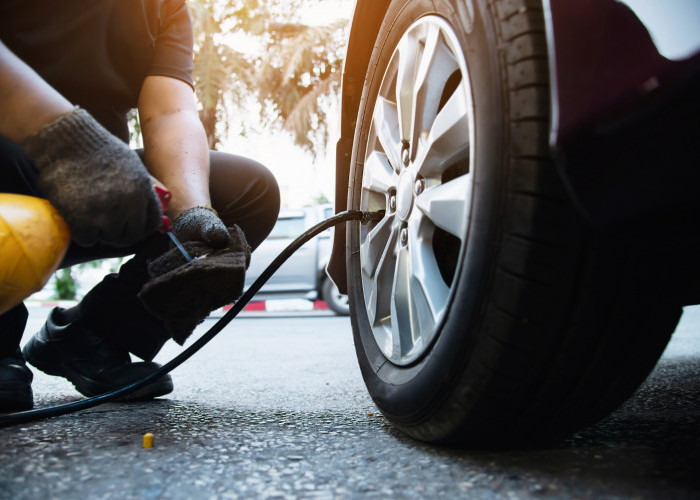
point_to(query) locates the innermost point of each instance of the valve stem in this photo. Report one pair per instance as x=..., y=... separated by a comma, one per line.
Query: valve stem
x=372, y=216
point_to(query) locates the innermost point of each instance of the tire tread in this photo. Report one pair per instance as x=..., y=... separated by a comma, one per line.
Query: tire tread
x=557, y=359
x=572, y=321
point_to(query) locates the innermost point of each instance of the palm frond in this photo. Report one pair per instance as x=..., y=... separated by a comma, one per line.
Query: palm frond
x=303, y=120
x=291, y=80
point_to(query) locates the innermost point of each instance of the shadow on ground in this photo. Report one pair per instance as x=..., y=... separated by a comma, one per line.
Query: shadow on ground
x=649, y=448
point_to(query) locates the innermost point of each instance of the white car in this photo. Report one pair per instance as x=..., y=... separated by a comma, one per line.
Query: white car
x=303, y=276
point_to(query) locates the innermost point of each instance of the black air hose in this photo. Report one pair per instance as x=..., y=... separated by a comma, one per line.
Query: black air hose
x=83, y=404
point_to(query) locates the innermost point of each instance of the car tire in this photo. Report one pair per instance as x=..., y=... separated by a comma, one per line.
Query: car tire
x=495, y=317
x=337, y=301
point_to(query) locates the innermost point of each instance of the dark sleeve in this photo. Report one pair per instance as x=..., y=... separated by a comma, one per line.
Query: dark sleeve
x=173, y=55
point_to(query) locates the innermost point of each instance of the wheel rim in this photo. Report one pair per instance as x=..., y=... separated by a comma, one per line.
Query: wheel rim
x=340, y=300
x=417, y=167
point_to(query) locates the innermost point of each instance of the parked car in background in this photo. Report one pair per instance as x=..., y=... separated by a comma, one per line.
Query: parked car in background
x=537, y=166
x=303, y=276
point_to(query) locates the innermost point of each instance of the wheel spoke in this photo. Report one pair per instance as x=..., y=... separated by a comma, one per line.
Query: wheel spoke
x=375, y=246
x=436, y=67
x=448, y=141
x=408, y=53
x=428, y=290
x=385, y=121
x=378, y=174
x=382, y=283
x=447, y=205
x=402, y=310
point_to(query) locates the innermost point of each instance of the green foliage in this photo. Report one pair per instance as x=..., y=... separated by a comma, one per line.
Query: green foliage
x=65, y=284
x=135, y=138
x=321, y=199
x=302, y=70
x=66, y=280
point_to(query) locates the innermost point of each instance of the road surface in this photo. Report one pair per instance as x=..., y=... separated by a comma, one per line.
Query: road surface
x=275, y=407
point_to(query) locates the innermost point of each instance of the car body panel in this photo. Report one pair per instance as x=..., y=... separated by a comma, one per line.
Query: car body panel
x=625, y=105
x=606, y=59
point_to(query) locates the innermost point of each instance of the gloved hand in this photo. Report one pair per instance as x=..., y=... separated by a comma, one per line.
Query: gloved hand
x=201, y=224
x=99, y=185
x=182, y=294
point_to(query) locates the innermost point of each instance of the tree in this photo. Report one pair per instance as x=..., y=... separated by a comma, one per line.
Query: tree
x=294, y=76
x=220, y=71
x=300, y=77
x=64, y=284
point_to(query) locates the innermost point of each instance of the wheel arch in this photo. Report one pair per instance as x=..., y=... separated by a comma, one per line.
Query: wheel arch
x=367, y=18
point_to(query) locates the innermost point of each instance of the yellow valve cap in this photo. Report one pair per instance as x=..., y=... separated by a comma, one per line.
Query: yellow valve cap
x=148, y=440
x=33, y=241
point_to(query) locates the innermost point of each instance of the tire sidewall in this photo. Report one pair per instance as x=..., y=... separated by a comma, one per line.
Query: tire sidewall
x=410, y=395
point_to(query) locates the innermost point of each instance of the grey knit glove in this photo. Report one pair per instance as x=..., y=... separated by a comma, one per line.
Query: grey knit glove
x=95, y=181
x=201, y=224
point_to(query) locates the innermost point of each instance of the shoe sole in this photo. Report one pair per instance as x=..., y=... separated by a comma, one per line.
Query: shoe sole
x=15, y=396
x=88, y=386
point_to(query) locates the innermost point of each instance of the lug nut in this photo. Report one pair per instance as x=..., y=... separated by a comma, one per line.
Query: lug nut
x=392, y=202
x=405, y=153
x=420, y=186
x=404, y=236
x=405, y=158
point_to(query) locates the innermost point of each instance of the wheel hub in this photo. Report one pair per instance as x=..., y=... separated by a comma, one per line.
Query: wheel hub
x=404, y=195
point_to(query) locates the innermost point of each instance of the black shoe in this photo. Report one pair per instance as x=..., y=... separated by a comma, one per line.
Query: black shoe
x=15, y=384
x=92, y=364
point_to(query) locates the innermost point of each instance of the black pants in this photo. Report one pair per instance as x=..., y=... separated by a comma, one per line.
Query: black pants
x=242, y=191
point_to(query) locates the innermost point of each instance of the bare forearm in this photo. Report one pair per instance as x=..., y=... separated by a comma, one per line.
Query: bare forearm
x=176, y=153
x=26, y=100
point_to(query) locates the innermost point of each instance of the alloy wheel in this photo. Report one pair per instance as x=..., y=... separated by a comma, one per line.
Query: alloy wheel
x=417, y=168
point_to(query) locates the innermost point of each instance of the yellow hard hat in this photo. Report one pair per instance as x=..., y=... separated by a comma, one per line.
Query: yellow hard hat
x=33, y=240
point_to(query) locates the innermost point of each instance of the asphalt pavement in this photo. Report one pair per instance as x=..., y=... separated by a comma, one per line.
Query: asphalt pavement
x=275, y=407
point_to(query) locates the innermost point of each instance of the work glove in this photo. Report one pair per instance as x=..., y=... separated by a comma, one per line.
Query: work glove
x=201, y=224
x=99, y=185
x=182, y=294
